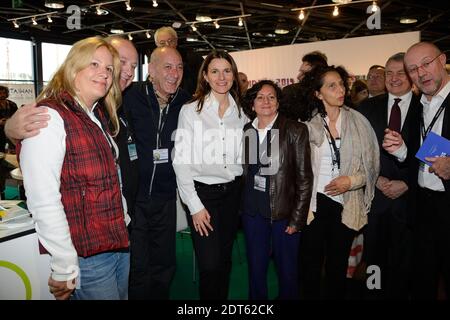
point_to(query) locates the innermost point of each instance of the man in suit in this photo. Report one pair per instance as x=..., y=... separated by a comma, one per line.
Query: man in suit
x=376, y=81
x=425, y=64
x=387, y=238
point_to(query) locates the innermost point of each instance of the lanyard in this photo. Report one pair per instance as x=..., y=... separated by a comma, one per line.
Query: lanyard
x=268, y=150
x=161, y=119
x=110, y=141
x=422, y=122
x=332, y=143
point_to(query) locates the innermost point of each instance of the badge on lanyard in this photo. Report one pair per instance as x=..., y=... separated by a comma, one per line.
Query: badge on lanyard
x=260, y=183
x=161, y=155
x=132, y=151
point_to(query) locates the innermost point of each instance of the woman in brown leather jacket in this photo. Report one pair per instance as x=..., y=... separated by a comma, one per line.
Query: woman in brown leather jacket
x=277, y=192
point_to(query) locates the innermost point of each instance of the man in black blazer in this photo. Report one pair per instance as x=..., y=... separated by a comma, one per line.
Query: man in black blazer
x=425, y=64
x=387, y=237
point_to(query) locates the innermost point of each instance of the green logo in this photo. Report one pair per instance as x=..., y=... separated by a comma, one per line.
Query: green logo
x=21, y=274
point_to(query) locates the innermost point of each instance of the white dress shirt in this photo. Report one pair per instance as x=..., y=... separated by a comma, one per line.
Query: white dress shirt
x=427, y=179
x=207, y=149
x=41, y=161
x=262, y=133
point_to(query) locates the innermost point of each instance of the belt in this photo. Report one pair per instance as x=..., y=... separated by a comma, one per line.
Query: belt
x=217, y=186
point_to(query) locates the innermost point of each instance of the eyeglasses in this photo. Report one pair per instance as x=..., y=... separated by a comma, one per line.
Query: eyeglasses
x=167, y=42
x=426, y=66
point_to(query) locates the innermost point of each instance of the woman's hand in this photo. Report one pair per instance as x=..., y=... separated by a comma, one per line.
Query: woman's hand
x=61, y=289
x=338, y=186
x=290, y=230
x=202, y=222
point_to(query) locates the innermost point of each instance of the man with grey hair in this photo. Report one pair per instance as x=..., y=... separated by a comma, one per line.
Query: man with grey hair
x=387, y=238
x=167, y=37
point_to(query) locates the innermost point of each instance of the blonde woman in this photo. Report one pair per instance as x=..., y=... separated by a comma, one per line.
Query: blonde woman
x=71, y=177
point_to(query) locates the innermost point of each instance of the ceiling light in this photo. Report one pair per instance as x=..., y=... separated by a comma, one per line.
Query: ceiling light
x=147, y=34
x=281, y=27
x=127, y=4
x=203, y=17
x=176, y=24
x=342, y=1
x=408, y=20
x=374, y=7
x=335, y=11
x=301, y=16
x=15, y=24
x=101, y=12
x=54, y=4
x=116, y=30
x=49, y=19
x=191, y=39
x=155, y=3
x=216, y=24
x=34, y=21
x=130, y=37
x=240, y=23
x=194, y=28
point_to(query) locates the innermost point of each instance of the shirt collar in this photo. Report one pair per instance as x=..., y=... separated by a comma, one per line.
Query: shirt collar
x=211, y=102
x=404, y=98
x=269, y=126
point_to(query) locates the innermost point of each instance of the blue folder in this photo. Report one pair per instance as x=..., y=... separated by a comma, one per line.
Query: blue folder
x=433, y=146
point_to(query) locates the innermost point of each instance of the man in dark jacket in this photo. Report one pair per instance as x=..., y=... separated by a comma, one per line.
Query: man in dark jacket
x=152, y=108
x=425, y=64
x=387, y=237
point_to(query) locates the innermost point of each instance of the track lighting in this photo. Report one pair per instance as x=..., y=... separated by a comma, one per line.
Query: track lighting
x=301, y=16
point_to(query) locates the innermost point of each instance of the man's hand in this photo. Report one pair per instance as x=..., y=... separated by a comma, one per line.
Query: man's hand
x=202, y=222
x=382, y=183
x=60, y=289
x=440, y=167
x=392, y=141
x=395, y=189
x=26, y=122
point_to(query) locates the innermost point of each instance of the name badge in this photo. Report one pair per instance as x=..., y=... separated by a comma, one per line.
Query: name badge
x=260, y=183
x=161, y=155
x=132, y=151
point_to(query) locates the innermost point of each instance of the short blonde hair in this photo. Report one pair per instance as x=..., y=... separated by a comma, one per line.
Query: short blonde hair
x=171, y=31
x=79, y=58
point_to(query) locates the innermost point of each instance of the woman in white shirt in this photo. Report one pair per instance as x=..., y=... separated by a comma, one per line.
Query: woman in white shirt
x=208, y=168
x=345, y=158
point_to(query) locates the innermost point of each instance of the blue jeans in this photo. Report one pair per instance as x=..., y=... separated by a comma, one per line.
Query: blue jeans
x=104, y=277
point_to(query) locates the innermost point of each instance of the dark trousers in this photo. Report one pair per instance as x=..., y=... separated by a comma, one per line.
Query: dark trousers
x=214, y=252
x=388, y=244
x=153, y=261
x=265, y=238
x=325, y=239
x=431, y=232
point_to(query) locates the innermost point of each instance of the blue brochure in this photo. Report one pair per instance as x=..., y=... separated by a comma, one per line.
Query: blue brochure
x=433, y=146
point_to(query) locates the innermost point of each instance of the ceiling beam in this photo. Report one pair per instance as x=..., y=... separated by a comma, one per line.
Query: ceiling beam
x=186, y=20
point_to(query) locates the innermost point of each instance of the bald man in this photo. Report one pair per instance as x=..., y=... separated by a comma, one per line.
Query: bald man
x=192, y=61
x=153, y=107
x=425, y=64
